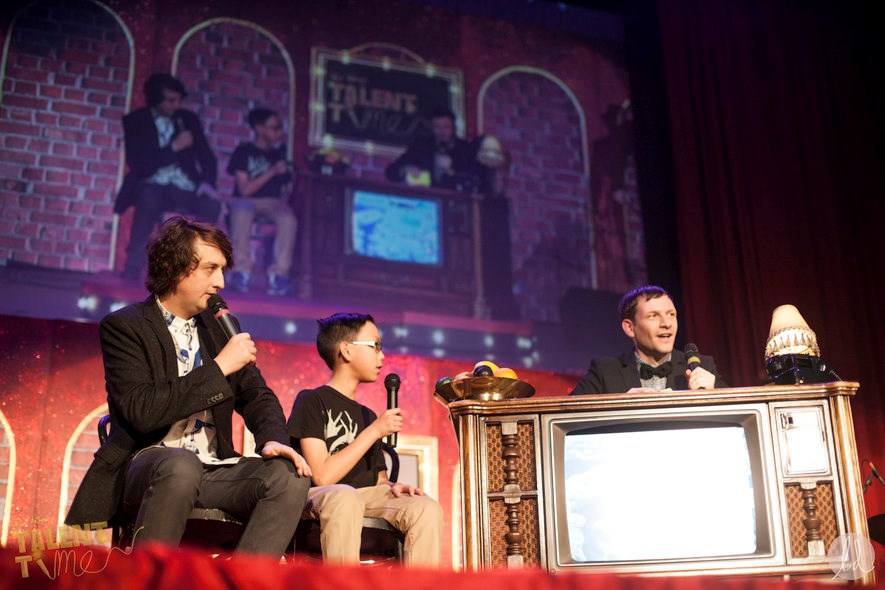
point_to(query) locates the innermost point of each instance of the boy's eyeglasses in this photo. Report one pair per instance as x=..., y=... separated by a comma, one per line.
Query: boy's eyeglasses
x=375, y=345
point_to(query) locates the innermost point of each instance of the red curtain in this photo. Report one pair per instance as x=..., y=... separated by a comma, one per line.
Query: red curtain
x=776, y=113
x=163, y=568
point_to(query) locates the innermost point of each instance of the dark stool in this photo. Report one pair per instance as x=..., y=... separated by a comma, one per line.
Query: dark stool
x=209, y=528
x=380, y=543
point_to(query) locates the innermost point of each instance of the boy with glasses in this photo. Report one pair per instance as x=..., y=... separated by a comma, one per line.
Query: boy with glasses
x=341, y=441
x=263, y=187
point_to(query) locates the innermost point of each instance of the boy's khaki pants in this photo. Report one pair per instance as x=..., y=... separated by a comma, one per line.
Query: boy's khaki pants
x=340, y=510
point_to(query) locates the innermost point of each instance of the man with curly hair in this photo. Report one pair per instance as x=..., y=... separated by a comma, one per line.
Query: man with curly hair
x=174, y=380
x=170, y=166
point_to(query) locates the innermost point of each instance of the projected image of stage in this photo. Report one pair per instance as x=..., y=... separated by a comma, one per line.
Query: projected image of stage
x=396, y=228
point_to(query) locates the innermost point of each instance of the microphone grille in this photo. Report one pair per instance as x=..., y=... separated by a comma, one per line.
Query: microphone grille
x=691, y=349
x=216, y=303
x=392, y=380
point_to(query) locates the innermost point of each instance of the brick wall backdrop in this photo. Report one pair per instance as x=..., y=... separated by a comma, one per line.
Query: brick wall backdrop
x=548, y=192
x=637, y=269
x=229, y=69
x=64, y=91
x=618, y=230
x=65, y=88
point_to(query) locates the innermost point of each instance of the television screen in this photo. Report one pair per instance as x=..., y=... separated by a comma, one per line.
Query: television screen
x=395, y=228
x=659, y=492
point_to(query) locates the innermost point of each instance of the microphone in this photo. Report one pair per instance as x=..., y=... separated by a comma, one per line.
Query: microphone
x=229, y=323
x=692, y=356
x=391, y=384
x=875, y=472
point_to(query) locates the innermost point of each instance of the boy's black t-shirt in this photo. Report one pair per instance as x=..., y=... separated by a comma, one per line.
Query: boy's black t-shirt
x=329, y=415
x=249, y=158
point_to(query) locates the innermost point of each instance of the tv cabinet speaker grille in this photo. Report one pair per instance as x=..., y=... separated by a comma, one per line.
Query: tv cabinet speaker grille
x=797, y=513
x=526, y=469
x=528, y=528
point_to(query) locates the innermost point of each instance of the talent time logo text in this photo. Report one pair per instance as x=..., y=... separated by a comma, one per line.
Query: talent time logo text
x=52, y=550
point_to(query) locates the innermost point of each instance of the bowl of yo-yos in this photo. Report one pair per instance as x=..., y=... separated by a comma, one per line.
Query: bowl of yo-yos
x=486, y=382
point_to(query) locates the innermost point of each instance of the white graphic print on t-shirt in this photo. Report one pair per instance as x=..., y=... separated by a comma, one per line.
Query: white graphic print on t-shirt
x=343, y=427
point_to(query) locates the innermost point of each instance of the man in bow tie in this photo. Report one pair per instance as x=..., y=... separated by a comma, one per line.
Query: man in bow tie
x=648, y=318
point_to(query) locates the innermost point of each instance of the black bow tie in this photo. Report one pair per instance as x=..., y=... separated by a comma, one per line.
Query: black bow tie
x=646, y=371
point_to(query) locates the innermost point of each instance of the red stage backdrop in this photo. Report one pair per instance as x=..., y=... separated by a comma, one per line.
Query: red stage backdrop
x=53, y=379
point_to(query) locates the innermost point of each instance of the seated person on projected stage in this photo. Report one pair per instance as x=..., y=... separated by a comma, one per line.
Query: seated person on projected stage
x=341, y=441
x=174, y=380
x=441, y=159
x=170, y=166
x=263, y=187
x=648, y=318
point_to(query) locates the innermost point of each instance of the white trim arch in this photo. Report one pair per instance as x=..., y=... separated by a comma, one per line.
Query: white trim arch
x=10, y=480
x=585, y=146
x=115, y=221
x=544, y=73
x=90, y=420
x=290, y=67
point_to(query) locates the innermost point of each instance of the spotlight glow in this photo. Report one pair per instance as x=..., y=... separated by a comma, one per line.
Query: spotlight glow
x=88, y=303
x=524, y=343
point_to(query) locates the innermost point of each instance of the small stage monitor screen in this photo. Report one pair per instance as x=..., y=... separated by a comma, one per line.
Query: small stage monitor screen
x=396, y=228
x=668, y=493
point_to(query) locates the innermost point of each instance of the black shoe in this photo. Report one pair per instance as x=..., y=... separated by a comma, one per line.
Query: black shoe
x=239, y=281
x=278, y=285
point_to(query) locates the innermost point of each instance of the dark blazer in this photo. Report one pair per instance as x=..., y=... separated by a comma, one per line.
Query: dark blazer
x=144, y=156
x=618, y=374
x=421, y=153
x=146, y=396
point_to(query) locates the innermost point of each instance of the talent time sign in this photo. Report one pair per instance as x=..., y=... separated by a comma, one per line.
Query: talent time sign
x=376, y=104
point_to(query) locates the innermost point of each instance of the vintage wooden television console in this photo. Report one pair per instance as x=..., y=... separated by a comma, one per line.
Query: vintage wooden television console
x=741, y=481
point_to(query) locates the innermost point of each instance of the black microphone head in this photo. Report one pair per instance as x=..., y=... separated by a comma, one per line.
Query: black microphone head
x=392, y=381
x=216, y=303
x=692, y=356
